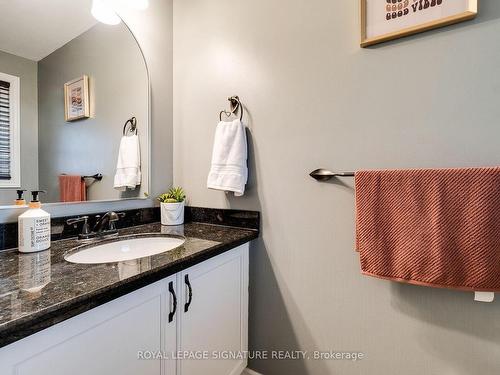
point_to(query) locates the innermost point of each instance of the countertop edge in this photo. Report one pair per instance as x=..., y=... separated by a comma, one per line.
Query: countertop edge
x=31, y=324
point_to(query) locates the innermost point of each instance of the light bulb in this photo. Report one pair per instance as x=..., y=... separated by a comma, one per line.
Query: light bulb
x=103, y=12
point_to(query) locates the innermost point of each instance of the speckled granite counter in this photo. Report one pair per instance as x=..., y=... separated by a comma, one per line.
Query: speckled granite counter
x=42, y=289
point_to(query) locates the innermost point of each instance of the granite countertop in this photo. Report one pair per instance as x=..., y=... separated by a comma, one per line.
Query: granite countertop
x=41, y=289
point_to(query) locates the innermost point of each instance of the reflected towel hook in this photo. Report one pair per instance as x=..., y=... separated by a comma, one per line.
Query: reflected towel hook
x=235, y=106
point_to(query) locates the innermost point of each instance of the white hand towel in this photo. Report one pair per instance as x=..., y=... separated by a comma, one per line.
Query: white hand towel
x=229, y=170
x=128, y=167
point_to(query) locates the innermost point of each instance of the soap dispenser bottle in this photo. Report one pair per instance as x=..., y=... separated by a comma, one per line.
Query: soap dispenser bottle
x=34, y=227
x=20, y=201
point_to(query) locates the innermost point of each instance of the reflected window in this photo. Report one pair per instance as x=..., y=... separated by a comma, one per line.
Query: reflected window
x=9, y=131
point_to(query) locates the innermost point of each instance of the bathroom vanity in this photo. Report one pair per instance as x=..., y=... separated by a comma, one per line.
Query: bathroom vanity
x=179, y=312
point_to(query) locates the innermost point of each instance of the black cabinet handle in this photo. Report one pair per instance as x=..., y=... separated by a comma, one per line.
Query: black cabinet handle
x=172, y=292
x=190, y=293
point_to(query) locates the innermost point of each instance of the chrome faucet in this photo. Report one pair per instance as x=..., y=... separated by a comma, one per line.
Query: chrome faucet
x=109, y=219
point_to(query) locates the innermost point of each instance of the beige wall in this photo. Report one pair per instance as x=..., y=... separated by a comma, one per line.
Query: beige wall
x=315, y=99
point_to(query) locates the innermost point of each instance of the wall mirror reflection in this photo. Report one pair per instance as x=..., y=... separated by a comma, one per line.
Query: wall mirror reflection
x=70, y=89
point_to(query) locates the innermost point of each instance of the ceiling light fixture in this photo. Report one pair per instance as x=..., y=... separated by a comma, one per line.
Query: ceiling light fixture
x=103, y=12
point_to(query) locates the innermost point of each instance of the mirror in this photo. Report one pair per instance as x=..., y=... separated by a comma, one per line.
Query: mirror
x=68, y=86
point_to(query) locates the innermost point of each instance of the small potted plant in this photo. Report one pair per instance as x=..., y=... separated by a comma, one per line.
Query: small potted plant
x=172, y=206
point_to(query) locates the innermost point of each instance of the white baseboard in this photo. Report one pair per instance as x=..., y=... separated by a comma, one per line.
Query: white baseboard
x=250, y=372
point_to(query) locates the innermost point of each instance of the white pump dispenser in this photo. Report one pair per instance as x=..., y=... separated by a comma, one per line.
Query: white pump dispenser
x=34, y=227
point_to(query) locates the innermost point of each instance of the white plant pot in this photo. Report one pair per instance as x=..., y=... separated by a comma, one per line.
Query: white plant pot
x=172, y=213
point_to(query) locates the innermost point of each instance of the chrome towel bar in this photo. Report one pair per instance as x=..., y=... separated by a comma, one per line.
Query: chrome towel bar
x=95, y=177
x=325, y=175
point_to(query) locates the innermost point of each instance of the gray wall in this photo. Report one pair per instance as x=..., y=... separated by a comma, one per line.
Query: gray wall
x=315, y=99
x=26, y=70
x=118, y=87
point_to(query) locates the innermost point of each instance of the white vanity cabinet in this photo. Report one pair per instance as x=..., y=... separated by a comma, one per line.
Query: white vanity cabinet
x=210, y=320
x=104, y=340
x=213, y=322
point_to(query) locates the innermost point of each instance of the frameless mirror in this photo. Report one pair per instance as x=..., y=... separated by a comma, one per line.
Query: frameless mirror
x=74, y=105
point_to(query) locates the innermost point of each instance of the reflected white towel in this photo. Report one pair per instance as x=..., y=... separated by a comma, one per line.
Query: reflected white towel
x=229, y=170
x=128, y=167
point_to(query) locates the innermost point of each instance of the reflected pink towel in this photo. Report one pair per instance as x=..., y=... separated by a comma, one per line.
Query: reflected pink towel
x=72, y=188
x=433, y=227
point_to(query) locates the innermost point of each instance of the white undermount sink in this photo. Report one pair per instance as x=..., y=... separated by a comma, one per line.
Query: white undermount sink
x=122, y=250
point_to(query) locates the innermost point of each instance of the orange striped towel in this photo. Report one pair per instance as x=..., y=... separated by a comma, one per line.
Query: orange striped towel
x=432, y=227
x=72, y=188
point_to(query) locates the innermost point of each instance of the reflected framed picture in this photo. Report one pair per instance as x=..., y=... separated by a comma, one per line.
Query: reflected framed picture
x=383, y=20
x=76, y=99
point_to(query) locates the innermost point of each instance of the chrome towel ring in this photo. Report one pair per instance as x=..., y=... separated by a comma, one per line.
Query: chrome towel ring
x=133, y=126
x=235, y=106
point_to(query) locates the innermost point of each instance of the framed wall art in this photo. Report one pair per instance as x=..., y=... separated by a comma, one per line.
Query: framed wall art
x=383, y=20
x=76, y=99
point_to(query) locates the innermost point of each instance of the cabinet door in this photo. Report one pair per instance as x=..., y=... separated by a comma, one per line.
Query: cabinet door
x=214, y=316
x=106, y=340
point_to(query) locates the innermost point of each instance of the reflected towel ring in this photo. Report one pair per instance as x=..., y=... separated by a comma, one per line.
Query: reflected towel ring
x=133, y=126
x=235, y=106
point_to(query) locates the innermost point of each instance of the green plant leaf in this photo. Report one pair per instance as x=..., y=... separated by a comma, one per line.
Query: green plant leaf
x=174, y=195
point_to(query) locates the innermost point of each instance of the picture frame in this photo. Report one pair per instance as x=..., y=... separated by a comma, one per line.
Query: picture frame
x=76, y=99
x=384, y=20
